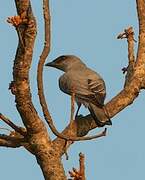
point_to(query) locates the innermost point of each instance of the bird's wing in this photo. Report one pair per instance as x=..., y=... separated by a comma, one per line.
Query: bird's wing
x=97, y=87
x=89, y=89
x=95, y=92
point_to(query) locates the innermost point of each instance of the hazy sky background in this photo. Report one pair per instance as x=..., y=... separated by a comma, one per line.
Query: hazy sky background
x=88, y=29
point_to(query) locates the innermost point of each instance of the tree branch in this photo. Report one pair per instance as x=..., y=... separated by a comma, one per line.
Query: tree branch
x=20, y=85
x=20, y=130
x=79, y=174
x=10, y=141
x=129, y=34
x=141, y=45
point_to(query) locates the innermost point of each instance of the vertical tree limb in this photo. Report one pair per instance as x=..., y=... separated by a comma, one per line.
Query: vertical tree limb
x=21, y=68
x=37, y=137
x=82, y=166
x=129, y=34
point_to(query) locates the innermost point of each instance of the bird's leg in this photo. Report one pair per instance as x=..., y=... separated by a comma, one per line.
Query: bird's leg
x=79, y=105
x=72, y=107
x=71, y=121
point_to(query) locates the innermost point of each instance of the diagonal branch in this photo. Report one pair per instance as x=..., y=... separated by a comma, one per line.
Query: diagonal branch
x=11, y=141
x=12, y=125
x=8, y=143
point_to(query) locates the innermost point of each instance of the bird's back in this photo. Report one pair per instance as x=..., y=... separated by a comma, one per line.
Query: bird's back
x=85, y=83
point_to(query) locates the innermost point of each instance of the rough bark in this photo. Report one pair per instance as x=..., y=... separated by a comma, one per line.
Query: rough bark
x=34, y=136
x=37, y=140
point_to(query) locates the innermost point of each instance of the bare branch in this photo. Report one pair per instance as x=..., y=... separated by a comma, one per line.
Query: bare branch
x=20, y=85
x=11, y=141
x=20, y=130
x=79, y=174
x=8, y=143
x=82, y=165
x=129, y=34
x=141, y=45
x=11, y=137
x=42, y=59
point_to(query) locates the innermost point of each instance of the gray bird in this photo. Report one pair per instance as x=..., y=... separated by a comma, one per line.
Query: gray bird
x=87, y=85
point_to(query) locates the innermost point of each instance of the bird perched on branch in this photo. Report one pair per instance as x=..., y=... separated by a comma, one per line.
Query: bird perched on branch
x=87, y=85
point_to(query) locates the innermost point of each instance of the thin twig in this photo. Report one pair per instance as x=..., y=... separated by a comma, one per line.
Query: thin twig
x=12, y=125
x=129, y=34
x=82, y=165
x=12, y=138
x=7, y=143
x=79, y=174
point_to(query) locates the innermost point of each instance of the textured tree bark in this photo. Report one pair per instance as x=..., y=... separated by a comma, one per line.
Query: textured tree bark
x=51, y=166
x=35, y=137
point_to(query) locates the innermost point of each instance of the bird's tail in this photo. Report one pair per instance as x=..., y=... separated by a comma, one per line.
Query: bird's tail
x=100, y=115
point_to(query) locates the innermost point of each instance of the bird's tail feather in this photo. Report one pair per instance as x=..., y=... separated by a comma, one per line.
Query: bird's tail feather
x=100, y=115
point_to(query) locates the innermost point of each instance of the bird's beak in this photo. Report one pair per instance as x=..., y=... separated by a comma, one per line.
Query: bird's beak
x=50, y=64
x=53, y=64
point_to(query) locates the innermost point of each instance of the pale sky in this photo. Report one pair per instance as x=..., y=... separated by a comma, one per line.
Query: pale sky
x=88, y=29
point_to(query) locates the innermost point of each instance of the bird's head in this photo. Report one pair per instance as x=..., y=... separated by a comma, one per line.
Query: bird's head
x=65, y=62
